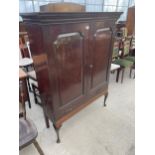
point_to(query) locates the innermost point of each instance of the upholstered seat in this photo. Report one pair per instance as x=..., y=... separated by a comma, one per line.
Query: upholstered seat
x=123, y=62
x=27, y=129
x=130, y=58
x=27, y=132
x=114, y=67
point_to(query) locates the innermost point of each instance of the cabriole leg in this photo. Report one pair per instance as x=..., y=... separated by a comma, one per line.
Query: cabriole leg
x=57, y=132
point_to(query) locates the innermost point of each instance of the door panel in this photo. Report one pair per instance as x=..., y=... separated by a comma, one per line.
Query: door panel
x=69, y=55
x=100, y=57
x=69, y=46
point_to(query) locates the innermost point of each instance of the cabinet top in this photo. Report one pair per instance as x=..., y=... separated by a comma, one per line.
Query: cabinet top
x=48, y=17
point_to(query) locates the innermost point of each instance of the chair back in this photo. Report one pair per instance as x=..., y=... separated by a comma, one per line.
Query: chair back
x=24, y=45
x=126, y=46
x=124, y=32
x=116, y=46
x=133, y=43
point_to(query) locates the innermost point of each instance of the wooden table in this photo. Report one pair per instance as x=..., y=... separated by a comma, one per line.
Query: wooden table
x=23, y=77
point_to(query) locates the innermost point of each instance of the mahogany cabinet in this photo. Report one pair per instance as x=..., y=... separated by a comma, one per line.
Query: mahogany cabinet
x=72, y=57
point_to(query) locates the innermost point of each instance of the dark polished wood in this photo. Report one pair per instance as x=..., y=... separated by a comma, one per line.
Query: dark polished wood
x=72, y=57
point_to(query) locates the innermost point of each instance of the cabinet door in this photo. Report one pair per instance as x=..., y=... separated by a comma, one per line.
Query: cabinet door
x=100, y=57
x=69, y=48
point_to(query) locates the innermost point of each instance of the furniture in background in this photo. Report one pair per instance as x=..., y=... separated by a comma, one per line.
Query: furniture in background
x=28, y=134
x=124, y=32
x=34, y=86
x=22, y=108
x=130, y=55
x=26, y=61
x=121, y=61
x=72, y=58
x=132, y=48
x=62, y=7
x=119, y=25
x=126, y=49
x=22, y=45
x=27, y=129
x=114, y=67
x=130, y=23
x=23, y=79
x=21, y=27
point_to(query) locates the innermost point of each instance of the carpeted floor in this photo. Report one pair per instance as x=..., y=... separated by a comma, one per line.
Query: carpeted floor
x=96, y=130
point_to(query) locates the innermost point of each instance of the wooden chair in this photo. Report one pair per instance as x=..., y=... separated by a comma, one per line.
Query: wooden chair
x=27, y=129
x=26, y=60
x=34, y=86
x=119, y=60
x=114, y=67
x=24, y=78
x=128, y=55
x=129, y=41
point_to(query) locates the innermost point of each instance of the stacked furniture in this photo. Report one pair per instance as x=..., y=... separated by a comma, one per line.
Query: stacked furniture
x=72, y=58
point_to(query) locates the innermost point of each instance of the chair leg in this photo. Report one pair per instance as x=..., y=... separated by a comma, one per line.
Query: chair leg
x=130, y=72
x=27, y=68
x=105, y=98
x=34, y=93
x=117, y=77
x=29, y=102
x=37, y=146
x=122, y=75
x=28, y=83
x=24, y=113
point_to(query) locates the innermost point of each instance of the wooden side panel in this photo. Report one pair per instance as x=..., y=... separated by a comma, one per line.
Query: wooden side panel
x=40, y=60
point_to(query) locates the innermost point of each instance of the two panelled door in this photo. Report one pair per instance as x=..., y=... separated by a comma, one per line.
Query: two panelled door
x=81, y=55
